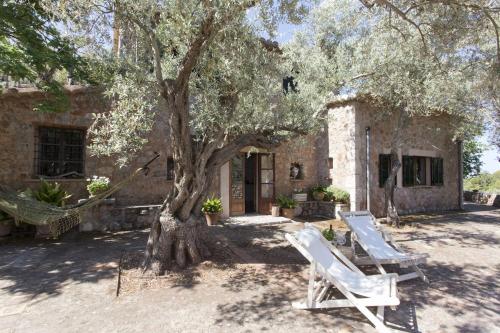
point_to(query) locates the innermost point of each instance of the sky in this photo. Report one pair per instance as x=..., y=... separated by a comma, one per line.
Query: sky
x=490, y=155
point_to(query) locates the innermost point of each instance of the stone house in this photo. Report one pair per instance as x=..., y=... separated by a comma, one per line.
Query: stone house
x=53, y=145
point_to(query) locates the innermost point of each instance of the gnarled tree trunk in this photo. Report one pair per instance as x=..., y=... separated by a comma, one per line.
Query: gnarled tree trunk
x=390, y=184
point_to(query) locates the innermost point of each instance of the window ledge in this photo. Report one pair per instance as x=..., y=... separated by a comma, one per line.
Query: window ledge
x=61, y=180
x=422, y=186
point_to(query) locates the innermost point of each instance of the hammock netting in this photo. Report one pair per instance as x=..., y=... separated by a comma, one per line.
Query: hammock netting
x=59, y=219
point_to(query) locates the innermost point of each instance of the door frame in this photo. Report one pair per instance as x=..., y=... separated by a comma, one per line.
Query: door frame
x=264, y=205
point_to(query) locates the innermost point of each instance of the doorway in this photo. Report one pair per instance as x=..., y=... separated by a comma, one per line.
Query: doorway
x=250, y=184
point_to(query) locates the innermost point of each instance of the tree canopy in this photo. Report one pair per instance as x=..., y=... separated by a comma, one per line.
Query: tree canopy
x=33, y=49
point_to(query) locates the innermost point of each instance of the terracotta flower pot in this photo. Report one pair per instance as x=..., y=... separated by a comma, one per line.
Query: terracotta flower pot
x=212, y=218
x=318, y=196
x=289, y=213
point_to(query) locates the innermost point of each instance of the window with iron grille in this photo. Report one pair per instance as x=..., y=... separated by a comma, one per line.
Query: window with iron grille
x=170, y=168
x=436, y=171
x=60, y=152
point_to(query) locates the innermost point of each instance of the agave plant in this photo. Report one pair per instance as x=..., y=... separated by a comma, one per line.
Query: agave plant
x=51, y=193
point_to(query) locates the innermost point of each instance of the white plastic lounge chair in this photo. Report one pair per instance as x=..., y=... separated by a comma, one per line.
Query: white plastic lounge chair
x=337, y=271
x=380, y=246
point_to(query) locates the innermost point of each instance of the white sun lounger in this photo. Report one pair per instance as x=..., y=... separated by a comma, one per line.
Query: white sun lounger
x=335, y=270
x=380, y=246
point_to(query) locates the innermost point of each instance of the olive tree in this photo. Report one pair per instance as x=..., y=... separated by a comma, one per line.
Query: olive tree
x=414, y=58
x=206, y=68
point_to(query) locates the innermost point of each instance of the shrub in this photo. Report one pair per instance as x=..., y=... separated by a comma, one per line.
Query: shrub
x=329, y=234
x=484, y=182
x=338, y=195
x=286, y=202
x=97, y=185
x=318, y=188
x=50, y=193
x=212, y=206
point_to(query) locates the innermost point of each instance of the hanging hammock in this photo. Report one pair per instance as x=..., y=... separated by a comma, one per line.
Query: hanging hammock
x=59, y=219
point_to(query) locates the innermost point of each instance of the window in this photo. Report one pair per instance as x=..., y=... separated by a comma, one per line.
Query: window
x=170, y=168
x=436, y=171
x=384, y=168
x=414, y=171
x=296, y=172
x=60, y=152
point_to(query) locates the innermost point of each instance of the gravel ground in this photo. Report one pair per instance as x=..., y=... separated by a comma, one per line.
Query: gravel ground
x=70, y=285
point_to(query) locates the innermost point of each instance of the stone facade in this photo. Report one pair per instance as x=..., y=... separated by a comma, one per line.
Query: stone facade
x=425, y=136
x=19, y=125
x=336, y=155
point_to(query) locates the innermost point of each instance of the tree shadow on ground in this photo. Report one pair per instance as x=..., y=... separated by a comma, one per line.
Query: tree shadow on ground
x=34, y=268
x=279, y=269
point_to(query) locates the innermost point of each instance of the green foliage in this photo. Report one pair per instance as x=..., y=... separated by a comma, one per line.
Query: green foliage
x=97, y=185
x=32, y=48
x=473, y=151
x=337, y=194
x=50, y=193
x=329, y=234
x=212, y=206
x=318, y=188
x=447, y=69
x=286, y=202
x=484, y=182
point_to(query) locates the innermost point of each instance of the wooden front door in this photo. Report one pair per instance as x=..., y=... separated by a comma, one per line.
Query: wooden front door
x=237, y=185
x=265, y=182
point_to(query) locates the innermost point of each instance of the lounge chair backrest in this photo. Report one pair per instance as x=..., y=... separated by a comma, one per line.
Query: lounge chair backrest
x=310, y=239
x=368, y=235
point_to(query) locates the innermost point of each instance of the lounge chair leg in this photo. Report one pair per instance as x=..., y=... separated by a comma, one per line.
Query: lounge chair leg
x=420, y=273
x=380, y=313
x=310, y=289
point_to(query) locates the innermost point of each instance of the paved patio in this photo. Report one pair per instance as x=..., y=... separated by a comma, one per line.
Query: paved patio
x=69, y=286
x=255, y=220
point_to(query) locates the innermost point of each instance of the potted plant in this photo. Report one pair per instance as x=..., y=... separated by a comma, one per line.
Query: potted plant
x=50, y=193
x=97, y=185
x=212, y=208
x=6, y=224
x=287, y=205
x=318, y=192
x=341, y=199
x=299, y=195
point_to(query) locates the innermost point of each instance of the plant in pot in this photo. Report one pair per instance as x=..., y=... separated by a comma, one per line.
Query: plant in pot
x=341, y=199
x=6, y=224
x=318, y=192
x=299, y=195
x=50, y=193
x=97, y=185
x=212, y=208
x=287, y=205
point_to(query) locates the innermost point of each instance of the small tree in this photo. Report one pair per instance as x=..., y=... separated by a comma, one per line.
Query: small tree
x=416, y=61
x=473, y=152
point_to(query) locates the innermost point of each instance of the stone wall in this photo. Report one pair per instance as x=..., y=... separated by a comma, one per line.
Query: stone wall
x=342, y=150
x=425, y=136
x=304, y=151
x=19, y=125
x=317, y=208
